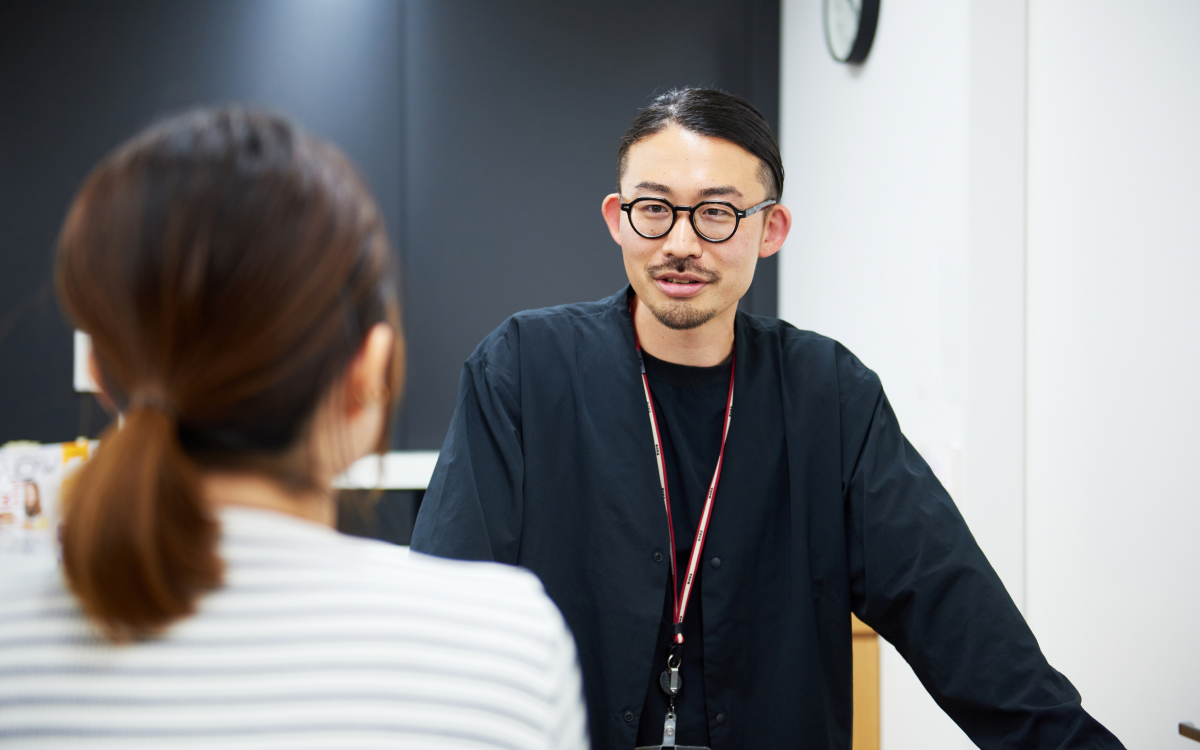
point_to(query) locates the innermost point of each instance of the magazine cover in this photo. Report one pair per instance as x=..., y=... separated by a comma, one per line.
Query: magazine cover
x=31, y=478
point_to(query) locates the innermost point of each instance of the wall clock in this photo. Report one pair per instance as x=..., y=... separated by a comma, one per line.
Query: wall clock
x=850, y=28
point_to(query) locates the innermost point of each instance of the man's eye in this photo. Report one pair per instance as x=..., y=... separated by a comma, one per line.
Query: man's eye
x=654, y=209
x=713, y=212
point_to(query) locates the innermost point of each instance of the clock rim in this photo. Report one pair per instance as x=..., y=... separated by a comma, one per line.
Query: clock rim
x=868, y=22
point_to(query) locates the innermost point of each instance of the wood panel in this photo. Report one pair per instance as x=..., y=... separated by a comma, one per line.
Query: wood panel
x=866, y=685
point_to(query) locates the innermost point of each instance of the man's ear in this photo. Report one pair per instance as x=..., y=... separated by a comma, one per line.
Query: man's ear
x=779, y=223
x=611, y=209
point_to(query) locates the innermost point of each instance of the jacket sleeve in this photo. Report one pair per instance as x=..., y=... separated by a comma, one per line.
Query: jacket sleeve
x=919, y=578
x=472, y=509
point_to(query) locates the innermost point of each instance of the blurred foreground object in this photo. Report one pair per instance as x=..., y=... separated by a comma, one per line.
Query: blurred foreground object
x=234, y=276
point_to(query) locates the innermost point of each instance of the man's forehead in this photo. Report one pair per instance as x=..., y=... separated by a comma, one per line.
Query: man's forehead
x=675, y=161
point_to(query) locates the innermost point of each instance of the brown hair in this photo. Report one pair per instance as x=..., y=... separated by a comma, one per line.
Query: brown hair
x=228, y=267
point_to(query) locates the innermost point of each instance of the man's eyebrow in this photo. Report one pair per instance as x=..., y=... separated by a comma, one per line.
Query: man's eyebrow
x=656, y=187
x=723, y=191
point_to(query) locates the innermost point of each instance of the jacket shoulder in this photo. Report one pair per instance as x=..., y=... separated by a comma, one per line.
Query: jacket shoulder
x=539, y=329
x=807, y=354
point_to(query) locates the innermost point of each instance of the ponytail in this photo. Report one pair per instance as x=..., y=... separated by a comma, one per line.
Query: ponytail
x=138, y=540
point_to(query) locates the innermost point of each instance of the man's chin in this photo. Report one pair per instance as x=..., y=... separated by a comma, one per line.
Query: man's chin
x=681, y=315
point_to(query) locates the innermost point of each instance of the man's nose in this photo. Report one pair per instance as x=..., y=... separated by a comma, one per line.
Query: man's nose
x=682, y=241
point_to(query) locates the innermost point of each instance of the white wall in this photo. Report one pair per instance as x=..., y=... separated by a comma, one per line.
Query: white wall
x=906, y=177
x=1113, y=352
x=998, y=213
x=876, y=175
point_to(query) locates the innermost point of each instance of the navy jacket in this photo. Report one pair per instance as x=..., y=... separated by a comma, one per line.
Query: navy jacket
x=549, y=464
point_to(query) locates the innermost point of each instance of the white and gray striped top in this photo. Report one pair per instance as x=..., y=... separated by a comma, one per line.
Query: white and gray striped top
x=316, y=640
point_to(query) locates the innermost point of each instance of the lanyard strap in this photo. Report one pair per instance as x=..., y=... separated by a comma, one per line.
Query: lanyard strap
x=683, y=594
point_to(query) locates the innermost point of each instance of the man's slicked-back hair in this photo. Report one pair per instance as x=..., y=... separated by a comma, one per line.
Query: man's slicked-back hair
x=714, y=114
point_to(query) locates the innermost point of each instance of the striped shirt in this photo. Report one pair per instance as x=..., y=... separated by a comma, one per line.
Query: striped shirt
x=315, y=640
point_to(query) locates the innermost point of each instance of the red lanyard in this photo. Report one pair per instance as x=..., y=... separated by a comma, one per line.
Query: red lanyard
x=682, y=594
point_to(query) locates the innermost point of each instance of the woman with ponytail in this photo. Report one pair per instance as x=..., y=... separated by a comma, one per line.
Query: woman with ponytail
x=234, y=276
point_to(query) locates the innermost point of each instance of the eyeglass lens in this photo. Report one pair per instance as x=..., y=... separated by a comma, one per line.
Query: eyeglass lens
x=712, y=221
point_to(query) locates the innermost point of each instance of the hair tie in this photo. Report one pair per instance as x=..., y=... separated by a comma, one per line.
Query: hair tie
x=152, y=399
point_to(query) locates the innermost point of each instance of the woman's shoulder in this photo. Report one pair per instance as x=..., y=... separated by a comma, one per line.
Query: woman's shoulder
x=258, y=535
x=486, y=579
x=36, y=607
x=29, y=581
x=486, y=594
x=321, y=614
x=283, y=558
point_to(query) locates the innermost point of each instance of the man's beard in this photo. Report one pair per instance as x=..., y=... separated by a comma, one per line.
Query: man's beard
x=682, y=314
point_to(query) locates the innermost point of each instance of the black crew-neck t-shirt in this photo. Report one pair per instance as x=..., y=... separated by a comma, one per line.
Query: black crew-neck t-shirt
x=689, y=404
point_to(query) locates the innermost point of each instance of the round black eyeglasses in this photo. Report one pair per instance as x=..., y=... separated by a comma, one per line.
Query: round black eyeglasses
x=714, y=221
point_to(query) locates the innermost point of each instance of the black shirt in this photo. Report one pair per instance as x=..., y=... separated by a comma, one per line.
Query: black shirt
x=689, y=404
x=824, y=509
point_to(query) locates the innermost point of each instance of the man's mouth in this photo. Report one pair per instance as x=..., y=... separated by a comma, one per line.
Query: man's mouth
x=675, y=284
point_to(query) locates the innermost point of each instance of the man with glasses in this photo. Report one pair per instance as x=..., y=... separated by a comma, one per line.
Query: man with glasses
x=708, y=495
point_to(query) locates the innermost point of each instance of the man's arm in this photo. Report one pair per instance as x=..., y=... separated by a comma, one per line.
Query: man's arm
x=919, y=578
x=472, y=509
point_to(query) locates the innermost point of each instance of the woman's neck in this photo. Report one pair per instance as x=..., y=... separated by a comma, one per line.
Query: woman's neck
x=257, y=491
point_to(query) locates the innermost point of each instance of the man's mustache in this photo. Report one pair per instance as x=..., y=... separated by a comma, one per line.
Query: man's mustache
x=684, y=265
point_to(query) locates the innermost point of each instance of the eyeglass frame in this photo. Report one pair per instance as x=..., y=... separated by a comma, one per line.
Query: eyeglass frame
x=738, y=215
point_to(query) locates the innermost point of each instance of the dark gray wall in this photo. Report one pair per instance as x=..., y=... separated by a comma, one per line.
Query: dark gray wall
x=487, y=130
x=515, y=111
x=77, y=78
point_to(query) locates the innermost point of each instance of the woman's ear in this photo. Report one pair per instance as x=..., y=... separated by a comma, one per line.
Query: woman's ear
x=101, y=394
x=350, y=419
x=367, y=376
